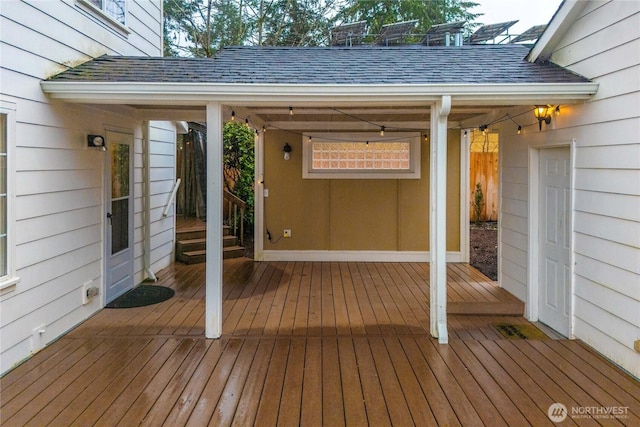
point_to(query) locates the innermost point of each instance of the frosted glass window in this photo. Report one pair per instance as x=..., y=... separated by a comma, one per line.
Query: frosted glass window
x=362, y=155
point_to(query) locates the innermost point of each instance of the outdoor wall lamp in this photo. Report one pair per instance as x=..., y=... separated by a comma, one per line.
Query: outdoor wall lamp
x=95, y=141
x=286, y=150
x=543, y=114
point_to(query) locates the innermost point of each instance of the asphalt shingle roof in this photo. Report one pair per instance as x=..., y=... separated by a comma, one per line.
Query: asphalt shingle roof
x=480, y=64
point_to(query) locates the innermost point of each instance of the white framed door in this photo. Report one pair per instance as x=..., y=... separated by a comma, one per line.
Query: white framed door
x=119, y=214
x=554, y=238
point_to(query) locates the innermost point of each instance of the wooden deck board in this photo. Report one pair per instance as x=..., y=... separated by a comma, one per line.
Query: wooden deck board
x=315, y=344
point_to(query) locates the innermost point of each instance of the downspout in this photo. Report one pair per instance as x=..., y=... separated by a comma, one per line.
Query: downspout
x=146, y=212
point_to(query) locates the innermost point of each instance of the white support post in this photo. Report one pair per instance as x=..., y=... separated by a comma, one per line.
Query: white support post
x=438, y=220
x=258, y=226
x=213, y=299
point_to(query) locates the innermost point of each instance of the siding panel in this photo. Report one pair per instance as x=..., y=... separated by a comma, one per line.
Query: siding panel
x=603, y=45
x=59, y=204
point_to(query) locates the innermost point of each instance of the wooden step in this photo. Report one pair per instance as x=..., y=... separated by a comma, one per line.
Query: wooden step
x=191, y=233
x=193, y=257
x=502, y=308
x=199, y=256
x=201, y=244
x=233, y=252
x=191, y=245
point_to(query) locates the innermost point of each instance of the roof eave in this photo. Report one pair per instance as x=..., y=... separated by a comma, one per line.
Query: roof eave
x=560, y=23
x=316, y=94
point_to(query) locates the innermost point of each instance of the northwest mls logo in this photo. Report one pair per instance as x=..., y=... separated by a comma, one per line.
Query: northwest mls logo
x=557, y=412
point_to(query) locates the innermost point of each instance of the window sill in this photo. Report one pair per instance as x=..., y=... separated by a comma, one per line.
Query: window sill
x=8, y=285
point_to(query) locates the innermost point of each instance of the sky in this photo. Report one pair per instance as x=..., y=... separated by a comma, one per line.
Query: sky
x=528, y=12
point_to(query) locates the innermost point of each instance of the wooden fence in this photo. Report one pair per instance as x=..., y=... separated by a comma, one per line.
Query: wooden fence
x=484, y=170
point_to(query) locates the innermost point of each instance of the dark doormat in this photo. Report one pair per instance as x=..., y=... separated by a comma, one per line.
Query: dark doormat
x=520, y=332
x=141, y=296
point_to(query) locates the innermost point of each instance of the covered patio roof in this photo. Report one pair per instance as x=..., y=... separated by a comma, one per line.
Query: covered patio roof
x=372, y=75
x=434, y=85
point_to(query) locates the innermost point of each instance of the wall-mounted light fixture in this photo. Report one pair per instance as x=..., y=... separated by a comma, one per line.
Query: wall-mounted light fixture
x=95, y=141
x=286, y=150
x=543, y=114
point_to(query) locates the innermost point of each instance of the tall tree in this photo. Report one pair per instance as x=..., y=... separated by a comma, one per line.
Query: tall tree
x=200, y=28
x=290, y=22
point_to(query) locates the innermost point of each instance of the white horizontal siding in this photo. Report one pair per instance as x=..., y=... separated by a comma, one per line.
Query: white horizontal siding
x=59, y=203
x=618, y=280
x=604, y=45
x=605, y=344
x=162, y=140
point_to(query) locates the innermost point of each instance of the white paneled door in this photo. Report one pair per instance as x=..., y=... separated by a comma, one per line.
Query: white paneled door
x=119, y=215
x=554, y=239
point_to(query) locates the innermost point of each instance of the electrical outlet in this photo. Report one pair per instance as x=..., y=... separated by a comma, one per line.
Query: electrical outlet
x=286, y=233
x=89, y=292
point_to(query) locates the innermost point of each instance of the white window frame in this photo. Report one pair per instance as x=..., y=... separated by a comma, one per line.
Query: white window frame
x=9, y=281
x=413, y=138
x=102, y=12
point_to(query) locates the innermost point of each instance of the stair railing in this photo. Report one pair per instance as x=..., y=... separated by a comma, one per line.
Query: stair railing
x=235, y=204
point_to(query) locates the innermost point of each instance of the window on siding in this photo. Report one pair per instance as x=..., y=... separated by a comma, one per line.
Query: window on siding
x=362, y=155
x=114, y=9
x=8, y=278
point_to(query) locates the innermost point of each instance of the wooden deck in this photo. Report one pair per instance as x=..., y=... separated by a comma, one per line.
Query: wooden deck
x=311, y=344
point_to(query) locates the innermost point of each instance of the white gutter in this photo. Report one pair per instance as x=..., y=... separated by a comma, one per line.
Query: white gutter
x=146, y=213
x=300, y=94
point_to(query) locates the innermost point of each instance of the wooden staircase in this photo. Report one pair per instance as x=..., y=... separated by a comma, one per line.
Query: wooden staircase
x=191, y=243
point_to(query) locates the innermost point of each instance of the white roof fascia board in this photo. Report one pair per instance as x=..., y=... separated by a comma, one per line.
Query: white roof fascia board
x=297, y=95
x=560, y=23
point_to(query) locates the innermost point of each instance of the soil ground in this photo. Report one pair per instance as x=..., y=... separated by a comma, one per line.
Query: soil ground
x=483, y=242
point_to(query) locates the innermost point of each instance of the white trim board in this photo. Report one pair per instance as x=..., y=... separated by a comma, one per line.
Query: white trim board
x=192, y=94
x=355, y=256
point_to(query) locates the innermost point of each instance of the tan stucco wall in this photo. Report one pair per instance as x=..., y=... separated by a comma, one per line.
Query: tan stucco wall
x=351, y=214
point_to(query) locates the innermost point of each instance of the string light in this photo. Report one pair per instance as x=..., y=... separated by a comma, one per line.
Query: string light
x=382, y=130
x=246, y=122
x=291, y=111
x=264, y=129
x=233, y=116
x=519, y=129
